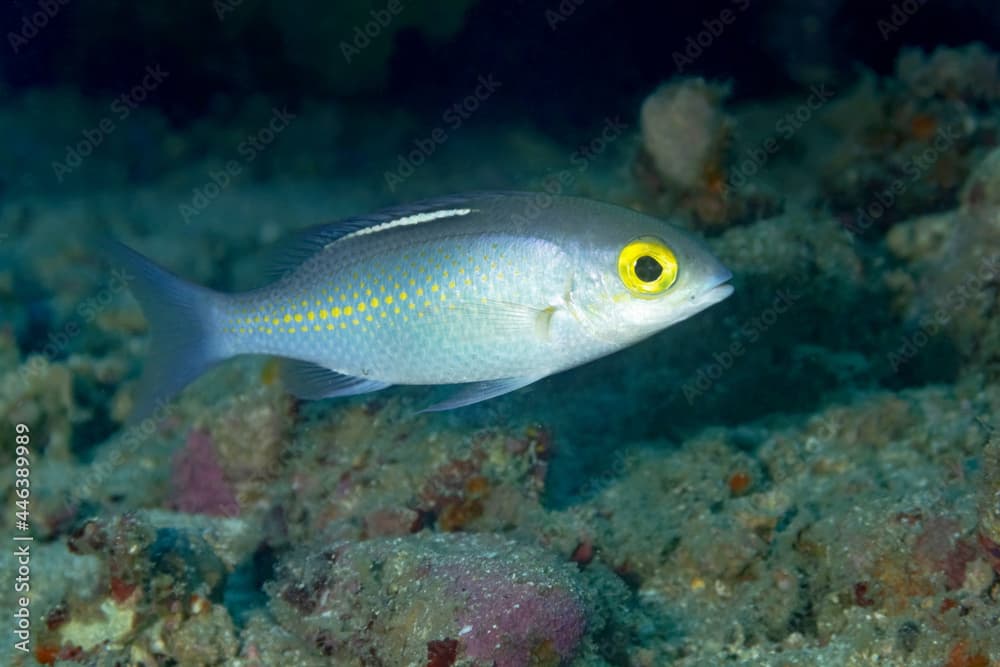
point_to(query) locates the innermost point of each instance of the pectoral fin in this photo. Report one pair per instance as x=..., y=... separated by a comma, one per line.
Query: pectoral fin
x=512, y=321
x=474, y=392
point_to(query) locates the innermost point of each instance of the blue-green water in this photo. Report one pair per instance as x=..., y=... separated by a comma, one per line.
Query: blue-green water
x=806, y=473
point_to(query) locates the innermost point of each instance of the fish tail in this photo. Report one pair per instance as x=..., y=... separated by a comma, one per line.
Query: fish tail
x=181, y=343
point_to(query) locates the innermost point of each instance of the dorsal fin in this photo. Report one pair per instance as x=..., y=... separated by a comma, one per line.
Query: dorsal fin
x=312, y=240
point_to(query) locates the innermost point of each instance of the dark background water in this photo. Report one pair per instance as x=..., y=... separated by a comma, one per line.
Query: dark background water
x=557, y=59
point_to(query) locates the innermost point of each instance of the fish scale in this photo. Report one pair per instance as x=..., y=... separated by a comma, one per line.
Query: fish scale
x=403, y=313
x=489, y=291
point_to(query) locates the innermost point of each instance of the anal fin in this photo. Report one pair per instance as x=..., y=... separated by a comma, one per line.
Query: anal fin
x=313, y=382
x=474, y=392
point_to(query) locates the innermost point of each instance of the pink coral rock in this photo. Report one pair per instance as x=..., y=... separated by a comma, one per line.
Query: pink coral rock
x=394, y=601
x=198, y=484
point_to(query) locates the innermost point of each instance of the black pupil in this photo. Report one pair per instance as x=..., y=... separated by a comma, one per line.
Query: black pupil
x=647, y=269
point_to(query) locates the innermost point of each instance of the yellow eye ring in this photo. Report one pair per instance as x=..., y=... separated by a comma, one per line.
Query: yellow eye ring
x=647, y=266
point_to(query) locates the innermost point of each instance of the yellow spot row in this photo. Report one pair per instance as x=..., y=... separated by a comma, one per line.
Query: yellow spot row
x=374, y=302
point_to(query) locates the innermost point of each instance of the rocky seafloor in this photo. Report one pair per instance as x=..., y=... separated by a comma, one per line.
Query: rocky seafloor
x=806, y=474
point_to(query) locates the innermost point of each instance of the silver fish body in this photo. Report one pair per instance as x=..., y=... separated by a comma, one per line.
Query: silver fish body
x=493, y=289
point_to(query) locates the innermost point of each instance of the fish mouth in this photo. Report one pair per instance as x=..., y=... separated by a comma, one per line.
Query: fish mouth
x=716, y=291
x=717, y=294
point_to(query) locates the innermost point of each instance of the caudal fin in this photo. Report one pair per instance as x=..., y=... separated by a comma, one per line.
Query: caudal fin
x=181, y=345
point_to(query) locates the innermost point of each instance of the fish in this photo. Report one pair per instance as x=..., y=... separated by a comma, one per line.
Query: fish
x=488, y=291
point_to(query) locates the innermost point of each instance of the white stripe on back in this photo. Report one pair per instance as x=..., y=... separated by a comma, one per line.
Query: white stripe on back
x=408, y=220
